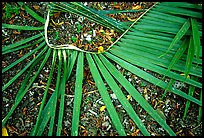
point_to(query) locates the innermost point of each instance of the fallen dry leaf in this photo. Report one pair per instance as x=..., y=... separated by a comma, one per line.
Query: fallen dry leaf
x=117, y=6
x=16, y=32
x=36, y=7
x=137, y=7
x=12, y=129
x=56, y=14
x=21, y=53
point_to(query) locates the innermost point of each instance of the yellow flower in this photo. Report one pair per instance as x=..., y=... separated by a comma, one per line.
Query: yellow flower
x=4, y=132
x=182, y=74
x=102, y=108
x=100, y=49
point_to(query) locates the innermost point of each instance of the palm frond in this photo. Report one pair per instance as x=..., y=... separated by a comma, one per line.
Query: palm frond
x=32, y=13
x=105, y=96
x=77, y=95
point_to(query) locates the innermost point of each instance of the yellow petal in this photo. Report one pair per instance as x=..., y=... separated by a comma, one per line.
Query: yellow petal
x=102, y=108
x=56, y=24
x=145, y=90
x=128, y=97
x=182, y=74
x=138, y=7
x=132, y=20
x=4, y=132
x=100, y=49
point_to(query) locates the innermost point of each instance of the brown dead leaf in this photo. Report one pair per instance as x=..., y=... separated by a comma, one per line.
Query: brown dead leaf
x=41, y=82
x=12, y=129
x=11, y=21
x=137, y=7
x=21, y=53
x=117, y=6
x=36, y=7
x=56, y=14
x=24, y=133
x=16, y=32
x=25, y=111
x=64, y=131
x=25, y=16
x=22, y=9
x=4, y=64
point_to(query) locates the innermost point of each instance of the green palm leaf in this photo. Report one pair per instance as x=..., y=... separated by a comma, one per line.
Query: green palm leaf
x=45, y=94
x=136, y=95
x=104, y=94
x=77, y=95
x=121, y=97
x=32, y=13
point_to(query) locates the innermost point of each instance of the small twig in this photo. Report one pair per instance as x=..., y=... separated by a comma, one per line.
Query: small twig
x=196, y=126
x=91, y=92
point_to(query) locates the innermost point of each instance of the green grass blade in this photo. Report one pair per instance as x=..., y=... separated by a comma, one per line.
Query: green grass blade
x=105, y=96
x=189, y=59
x=135, y=94
x=54, y=104
x=21, y=59
x=24, y=69
x=22, y=47
x=121, y=97
x=62, y=92
x=77, y=95
x=32, y=13
x=148, y=77
x=33, y=132
x=178, y=36
x=18, y=27
x=196, y=37
x=5, y=48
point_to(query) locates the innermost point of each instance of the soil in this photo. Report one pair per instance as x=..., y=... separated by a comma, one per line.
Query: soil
x=93, y=121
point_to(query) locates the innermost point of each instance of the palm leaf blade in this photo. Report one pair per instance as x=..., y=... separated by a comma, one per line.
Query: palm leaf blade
x=150, y=78
x=119, y=94
x=196, y=37
x=104, y=94
x=45, y=95
x=179, y=35
x=136, y=95
x=77, y=95
x=32, y=13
